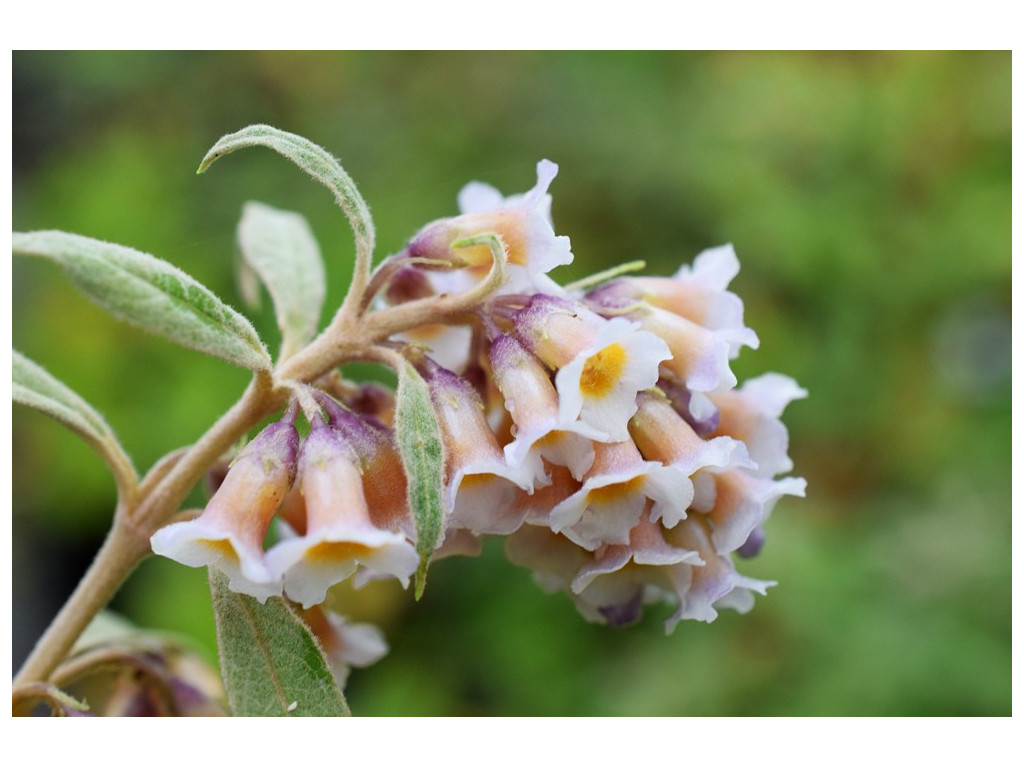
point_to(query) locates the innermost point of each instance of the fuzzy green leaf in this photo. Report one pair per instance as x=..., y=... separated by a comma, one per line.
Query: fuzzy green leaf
x=150, y=293
x=271, y=664
x=419, y=441
x=279, y=247
x=315, y=161
x=34, y=387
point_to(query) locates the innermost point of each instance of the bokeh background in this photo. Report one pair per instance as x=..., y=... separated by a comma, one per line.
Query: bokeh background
x=868, y=197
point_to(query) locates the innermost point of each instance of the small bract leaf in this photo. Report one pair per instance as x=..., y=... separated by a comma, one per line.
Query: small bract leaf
x=419, y=440
x=279, y=247
x=271, y=664
x=33, y=386
x=150, y=293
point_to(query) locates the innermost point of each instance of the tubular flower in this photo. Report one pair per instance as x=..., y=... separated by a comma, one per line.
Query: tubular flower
x=751, y=414
x=663, y=435
x=340, y=535
x=523, y=222
x=617, y=490
x=742, y=502
x=615, y=586
x=541, y=434
x=699, y=357
x=602, y=364
x=480, y=486
x=715, y=584
x=697, y=293
x=229, y=534
x=346, y=644
x=380, y=464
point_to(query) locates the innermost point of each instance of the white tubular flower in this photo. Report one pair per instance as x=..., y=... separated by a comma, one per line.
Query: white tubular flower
x=538, y=505
x=532, y=401
x=346, y=644
x=697, y=293
x=523, y=222
x=699, y=357
x=663, y=435
x=340, y=535
x=554, y=559
x=555, y=329
x=613, y=587
x=229, y=534
x=481, y=487
x=710, y=586
x=599, y=386
x=751, y=414
x=741, y=503
x=615, y=493
x=702, y=296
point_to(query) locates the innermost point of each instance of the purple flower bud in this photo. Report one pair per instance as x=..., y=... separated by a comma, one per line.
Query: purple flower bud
x=627, y=613
x=752, y=546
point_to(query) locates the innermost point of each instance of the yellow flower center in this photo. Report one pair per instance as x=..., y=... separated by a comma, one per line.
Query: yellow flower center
x=602, y=371
x=336, y=551
x=222, y=547
x=610, y=494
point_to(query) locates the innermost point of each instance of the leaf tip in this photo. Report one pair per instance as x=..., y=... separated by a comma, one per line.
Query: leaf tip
x=421, y=578
x=207, y=162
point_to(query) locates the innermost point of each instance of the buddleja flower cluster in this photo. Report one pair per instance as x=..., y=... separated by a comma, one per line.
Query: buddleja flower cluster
x=598, y=428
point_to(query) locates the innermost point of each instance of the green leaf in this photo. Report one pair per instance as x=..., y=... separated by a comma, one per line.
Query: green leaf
x=319, y=164
x=279, y=247
x=271, y=664
x=34, y=387
x=150, y=293
x=422, y=450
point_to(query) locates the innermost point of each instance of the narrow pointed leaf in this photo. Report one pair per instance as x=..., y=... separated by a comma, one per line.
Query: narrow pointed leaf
x=319, y=164
x=419, y=441
x=150, y=293
x=34, y=387
x=278, y=246
x=271, y=664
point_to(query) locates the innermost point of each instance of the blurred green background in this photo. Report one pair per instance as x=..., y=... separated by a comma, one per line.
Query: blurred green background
x=868, y=197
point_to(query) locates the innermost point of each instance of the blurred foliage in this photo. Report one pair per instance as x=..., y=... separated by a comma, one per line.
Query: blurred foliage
x=868, y=196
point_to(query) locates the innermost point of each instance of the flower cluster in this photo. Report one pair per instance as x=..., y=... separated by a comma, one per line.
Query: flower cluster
x=599, y=429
